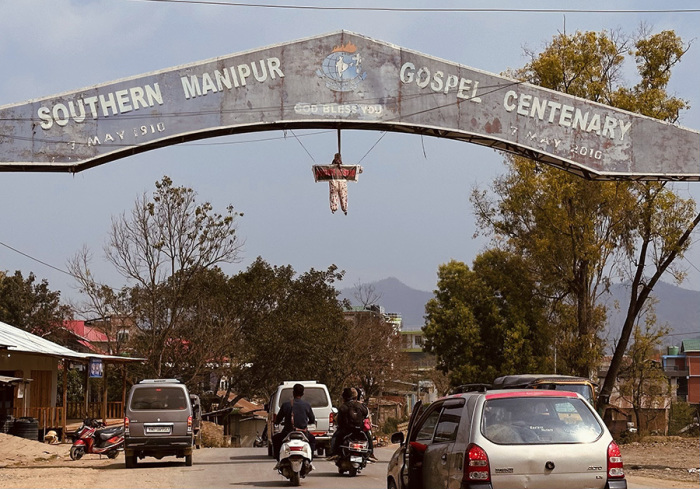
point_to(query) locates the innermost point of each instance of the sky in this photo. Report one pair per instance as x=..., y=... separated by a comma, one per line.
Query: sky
x=408, y=213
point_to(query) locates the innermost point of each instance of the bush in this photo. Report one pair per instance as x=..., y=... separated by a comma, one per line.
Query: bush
x=682, y=416
x=391, y=426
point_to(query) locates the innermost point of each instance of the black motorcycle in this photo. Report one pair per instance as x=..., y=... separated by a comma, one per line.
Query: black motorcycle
x=354, y=453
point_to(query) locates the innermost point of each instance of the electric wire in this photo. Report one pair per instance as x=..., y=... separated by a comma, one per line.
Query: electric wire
x=428, y=9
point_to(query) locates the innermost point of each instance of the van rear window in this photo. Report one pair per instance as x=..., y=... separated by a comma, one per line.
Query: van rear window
x=539, y=420
x=150, y=398
x=315, y=396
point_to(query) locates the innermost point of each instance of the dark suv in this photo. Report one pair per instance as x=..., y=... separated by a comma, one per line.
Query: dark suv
x=502, y=439
x=158, y=421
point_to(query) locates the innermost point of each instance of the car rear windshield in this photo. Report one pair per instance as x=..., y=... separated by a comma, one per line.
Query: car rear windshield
x=148, y=398
x=316, y=396
x=539, y=420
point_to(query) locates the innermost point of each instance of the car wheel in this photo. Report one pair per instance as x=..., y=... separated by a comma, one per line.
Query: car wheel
x=77, y=452
x=188, y=460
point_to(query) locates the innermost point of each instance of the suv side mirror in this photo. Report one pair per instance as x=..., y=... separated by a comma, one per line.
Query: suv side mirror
x=397, y=438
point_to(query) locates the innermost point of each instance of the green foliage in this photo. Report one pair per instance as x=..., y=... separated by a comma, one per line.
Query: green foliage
x=391, y=425
x=31, y=306
x=576, y=236
x=486, y=322
x=683, y=415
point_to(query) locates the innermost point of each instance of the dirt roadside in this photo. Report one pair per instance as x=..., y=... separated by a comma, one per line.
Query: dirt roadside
x=655, y=462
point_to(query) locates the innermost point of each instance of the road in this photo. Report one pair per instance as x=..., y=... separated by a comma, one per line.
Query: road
x=251, y=467
x=213, y=468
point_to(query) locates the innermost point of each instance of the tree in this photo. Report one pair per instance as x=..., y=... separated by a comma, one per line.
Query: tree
x=643, y=382
x=486, y=322
x=107, y=309
x=575, y=234
x=162, y=249
x=31, y=306
x=290, y=327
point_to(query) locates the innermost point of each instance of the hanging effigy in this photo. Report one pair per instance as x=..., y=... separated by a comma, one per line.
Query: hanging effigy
x=337, y=176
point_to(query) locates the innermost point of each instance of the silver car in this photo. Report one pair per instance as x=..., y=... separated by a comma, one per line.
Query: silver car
x=500, y=439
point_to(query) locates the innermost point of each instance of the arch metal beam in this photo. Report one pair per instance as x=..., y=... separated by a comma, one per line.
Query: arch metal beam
x=341, y=80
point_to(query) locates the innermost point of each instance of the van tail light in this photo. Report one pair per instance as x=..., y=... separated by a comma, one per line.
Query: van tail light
x=476, y=465
x=615, y=469
x=189, y=424
x=126, y=426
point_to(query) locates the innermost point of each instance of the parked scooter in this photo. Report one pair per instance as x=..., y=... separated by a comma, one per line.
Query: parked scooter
x=295, y=457
x=354, y=453
x=261, y=440
x=94, y=437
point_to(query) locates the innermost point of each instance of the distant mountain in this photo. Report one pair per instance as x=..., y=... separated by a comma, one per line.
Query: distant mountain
x=395, y=296
x=677, y=307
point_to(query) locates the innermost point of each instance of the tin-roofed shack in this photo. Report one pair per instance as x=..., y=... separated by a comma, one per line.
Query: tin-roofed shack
x=34, y=363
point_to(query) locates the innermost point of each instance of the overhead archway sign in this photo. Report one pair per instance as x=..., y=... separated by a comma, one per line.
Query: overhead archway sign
x=341, y=80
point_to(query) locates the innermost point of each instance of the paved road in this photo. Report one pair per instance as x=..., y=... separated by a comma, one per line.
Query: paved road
x=251, y=467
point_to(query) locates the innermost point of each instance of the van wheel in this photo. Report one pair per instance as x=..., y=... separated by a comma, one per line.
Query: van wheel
x=130, y=461
x=188, y=460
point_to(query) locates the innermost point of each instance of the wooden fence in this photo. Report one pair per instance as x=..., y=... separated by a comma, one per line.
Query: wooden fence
x=51, y=417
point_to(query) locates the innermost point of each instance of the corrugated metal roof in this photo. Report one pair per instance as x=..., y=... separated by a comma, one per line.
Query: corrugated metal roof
x=24, y=341
x=690, y=345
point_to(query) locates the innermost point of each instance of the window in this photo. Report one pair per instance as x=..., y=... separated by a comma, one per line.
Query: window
x=157, y=398
x=448, y=424
x=315, y=396
x=425, y=433
x=523, y=421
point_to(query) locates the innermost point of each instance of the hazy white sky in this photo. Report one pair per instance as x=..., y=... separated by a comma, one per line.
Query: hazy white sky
x=408, y=213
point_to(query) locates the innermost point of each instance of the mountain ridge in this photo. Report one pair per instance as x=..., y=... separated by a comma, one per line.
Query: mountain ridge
x=677, y=307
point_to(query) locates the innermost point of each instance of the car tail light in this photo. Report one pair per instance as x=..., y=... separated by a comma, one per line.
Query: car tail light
x=331, y=420
x=615, y=469
x=126, y=426
x=189, y=424
x=476, y=465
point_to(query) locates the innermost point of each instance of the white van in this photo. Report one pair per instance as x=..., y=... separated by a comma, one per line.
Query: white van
x=318, y=397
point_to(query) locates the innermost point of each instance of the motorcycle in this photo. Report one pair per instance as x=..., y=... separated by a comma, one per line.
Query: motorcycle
x=94, y=437
x=295, y=457
x=261, y=440
x=354, y=453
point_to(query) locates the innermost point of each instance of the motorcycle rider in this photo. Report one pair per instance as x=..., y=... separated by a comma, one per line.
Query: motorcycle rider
x=351, y=415
x=368, y=433
x=296, y=415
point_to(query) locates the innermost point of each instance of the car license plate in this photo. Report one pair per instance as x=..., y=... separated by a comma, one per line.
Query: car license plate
x=158, y=429
x=355, y=459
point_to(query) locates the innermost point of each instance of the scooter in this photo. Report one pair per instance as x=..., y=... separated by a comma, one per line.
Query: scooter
x=295, y=457
x=94, y=437
x=354, y=454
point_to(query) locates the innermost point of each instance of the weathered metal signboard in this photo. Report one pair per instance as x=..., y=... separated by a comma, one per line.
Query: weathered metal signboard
x=340, y=80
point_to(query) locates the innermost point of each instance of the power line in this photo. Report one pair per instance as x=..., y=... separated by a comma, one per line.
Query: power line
x=36, y=259
x=429, y=9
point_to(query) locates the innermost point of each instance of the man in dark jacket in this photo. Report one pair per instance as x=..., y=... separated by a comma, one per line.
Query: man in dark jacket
x=350, y=417
x=302, y=414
